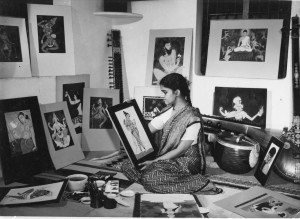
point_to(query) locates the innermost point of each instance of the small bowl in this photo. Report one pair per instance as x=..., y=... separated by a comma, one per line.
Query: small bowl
x=100, y=183
x=77, y=182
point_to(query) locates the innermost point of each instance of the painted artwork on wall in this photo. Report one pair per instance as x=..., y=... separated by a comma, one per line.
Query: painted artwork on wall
x=98, y=133
x=244, y=45
x=244, y=48
x=51, y=34
x=10, y=46
x=169, y=51
x=98, y=115
x=14, y=51
x=246, y=105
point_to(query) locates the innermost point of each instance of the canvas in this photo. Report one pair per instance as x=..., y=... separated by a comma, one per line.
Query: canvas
x=135, y=135
x=169, y=51
x=150, y=100
x=244, y=48
x=63, y=145
x=23, y=144
x=51, y=39
x=14, y=52
x=98, y=133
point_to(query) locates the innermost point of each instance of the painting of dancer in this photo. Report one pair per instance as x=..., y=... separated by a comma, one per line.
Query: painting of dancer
x=51, y=34
x=98, y=115
x=10, y=46
x=21, y=134
x=243, y=45
x=73, y=95
x=58, y=129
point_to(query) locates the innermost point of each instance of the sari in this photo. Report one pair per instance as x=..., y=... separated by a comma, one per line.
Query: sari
x=183, y=174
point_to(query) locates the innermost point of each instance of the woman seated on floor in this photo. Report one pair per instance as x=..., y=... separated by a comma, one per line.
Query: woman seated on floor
x=180, y=161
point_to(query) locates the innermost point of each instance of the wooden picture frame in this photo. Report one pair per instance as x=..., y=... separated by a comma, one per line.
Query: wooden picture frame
x=179, y=59
x=23, y=144
x=150, y=100
x=28, y=195
x=267, y=161
x=63, y=144
x=133, y=132
x=98, y=132
x=243, y=105
x=14, y=52
x=244, y=48
x=73, y=85
x=51, y=39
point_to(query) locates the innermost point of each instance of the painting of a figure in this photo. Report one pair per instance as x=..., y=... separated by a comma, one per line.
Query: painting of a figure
x=152, y=106
x=98, y=115
x=134, y=132
x=58, y=128
x=247, y=105
x=51, y=34
x=10, y=46
x=168, y=57
x=272, y=207
x=243, y=45
x=73, y=95
x=20, y=132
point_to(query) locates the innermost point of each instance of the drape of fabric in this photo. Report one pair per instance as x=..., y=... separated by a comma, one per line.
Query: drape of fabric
x=179, y=175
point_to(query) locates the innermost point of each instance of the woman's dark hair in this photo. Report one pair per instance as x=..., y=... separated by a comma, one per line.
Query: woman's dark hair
x=176, y=81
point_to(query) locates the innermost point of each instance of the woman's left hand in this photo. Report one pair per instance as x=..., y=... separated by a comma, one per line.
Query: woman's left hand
x=146, y=163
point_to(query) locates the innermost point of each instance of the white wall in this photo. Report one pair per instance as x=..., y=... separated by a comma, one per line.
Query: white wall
x=169, y=14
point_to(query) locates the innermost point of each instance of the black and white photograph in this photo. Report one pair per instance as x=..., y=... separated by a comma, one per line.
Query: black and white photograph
x=267, y=161
x=10, y=46
x=246, y=105
x=243, y=45
x=152, y=106
x=51, y=34
x=73, y=95
x=98, y=116
x=58, y=128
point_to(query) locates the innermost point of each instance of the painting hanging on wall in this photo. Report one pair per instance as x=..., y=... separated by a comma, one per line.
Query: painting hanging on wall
x=244, y=48
x=246, y=105
x=150, y=101
x=23, y=145
x=63, y=145
x=169, y=51
x=51, y=34
x=98, y=132
x=51, y=39
x=14, y=52
x=70, y=89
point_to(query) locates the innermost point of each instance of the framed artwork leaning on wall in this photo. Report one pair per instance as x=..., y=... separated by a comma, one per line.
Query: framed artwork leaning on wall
x=63, y=145
x=23, y=144
x=169, y=51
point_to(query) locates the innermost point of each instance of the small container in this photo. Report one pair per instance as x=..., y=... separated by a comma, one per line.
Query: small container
x=109, y=201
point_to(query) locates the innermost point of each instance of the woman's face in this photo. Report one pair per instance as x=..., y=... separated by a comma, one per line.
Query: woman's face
x=168, y=46
x=169, y=95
